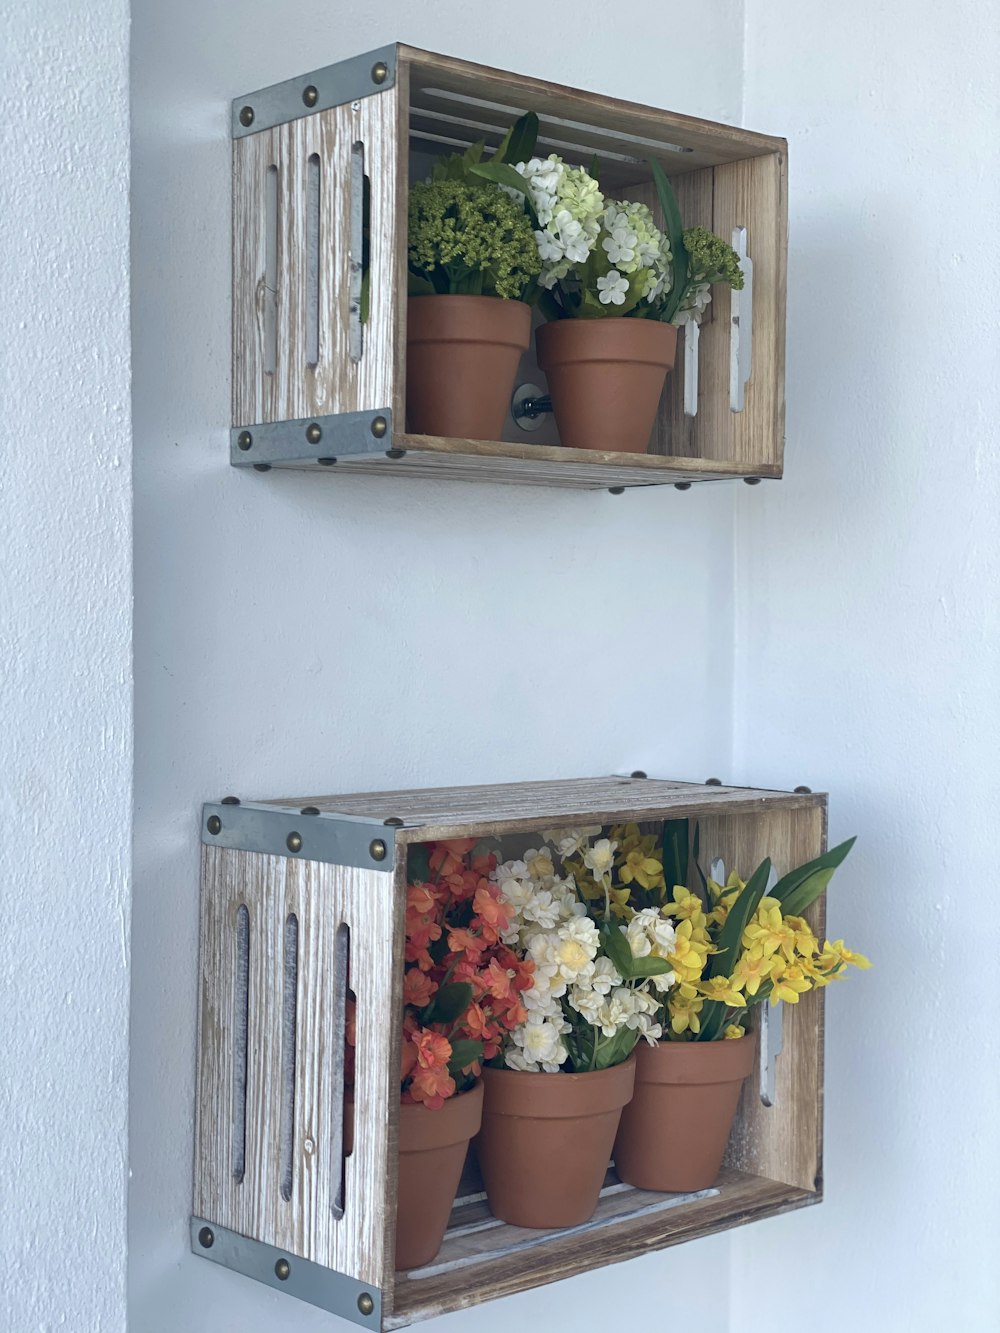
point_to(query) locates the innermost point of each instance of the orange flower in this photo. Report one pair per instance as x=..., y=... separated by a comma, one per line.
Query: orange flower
x=418, y=988
x=491, y=907
x=432, y=1087
x=421, y=899
x=461, y=940
x=433, y=1050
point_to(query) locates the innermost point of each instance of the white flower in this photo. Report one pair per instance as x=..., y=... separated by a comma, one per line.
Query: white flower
x=605, y=976
x=568, y=842
x=621, y=242
x=539, y=863
x=540, y=1040
x=612, y=289
x=600, y=858
x=543, y=909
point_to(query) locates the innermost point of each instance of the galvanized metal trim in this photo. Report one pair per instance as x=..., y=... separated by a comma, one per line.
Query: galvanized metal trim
x=311, y=439
x=323, y=1287
x=342, y=840
x=346, y=81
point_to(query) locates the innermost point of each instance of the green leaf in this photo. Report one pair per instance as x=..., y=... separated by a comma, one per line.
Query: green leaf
x=674, y=228
x=502, y=173
x=696, y=857
x=518, y=144
x=801, y=887
x=675, y=849
x=464, y=1053
x=449, y=1003
x=721, y=964
x=418, y=869
x=417, y=285
x=616, y=947
x=713, y=1017
x=595, y=168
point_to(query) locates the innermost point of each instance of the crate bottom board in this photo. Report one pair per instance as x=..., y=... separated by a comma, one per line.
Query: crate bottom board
x=483, y=1258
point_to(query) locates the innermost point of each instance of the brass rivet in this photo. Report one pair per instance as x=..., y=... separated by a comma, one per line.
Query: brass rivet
x=616, y=490
x=682, y=485
x=365, y=1303
x=379, y=72
x=309, y=810
x=326, y=462
x=230, y=800
x=281, y=1269
x=262, y=467
x=214, y=824
x=206, y=1238
x=310, y=96
x=378, y=850
x=639, y=774
x=752, y=481
x=294, y=842
x=713, y=782
x=314, y=433
x=803, y=791
x=246, y=115
x=244, y=440
x=395, y=453
x=379, y=427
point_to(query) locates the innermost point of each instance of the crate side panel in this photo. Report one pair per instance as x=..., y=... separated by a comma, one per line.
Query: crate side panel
x=321, y=897
x=253, y=391
x=782, y=1142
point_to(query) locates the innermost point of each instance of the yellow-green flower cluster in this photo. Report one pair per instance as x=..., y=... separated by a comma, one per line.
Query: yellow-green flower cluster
x=470, y=239
x=710, y=260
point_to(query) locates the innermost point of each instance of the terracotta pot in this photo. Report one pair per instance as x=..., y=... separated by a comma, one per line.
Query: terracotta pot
x=432, y=1150
x=546, y=1142
x=674, y=1132
x=605, y=377
x=462, y=355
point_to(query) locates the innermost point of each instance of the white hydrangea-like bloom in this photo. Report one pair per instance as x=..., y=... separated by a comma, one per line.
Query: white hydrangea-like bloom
x=696, y=302
x=569, y=205
x=612, y=288
x=639, y=252
x=651, y=934
x=599, y=858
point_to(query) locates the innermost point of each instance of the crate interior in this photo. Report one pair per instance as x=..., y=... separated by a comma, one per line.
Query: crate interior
x=720, y=175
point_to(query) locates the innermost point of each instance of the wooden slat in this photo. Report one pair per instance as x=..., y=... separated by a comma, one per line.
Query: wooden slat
x=742, y=1198
x=321, y=896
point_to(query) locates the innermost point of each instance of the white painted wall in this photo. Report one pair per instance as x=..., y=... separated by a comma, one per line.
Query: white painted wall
x=65, y=667
x=867, y=639
x=296, y=633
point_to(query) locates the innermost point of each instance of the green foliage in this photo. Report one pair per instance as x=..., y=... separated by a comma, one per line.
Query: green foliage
x=617, y=948
x=464, y=1052
x=418, y=869
x=450, y=1002
x=800, y=888
x=674, y=228
x=470, y=239
x=710, y=259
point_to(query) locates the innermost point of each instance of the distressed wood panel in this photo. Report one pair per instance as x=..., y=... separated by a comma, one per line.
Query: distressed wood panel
x=785, y=1141
x=321, y=896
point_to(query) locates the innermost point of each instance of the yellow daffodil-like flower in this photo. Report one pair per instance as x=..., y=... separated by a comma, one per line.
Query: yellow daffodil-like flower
x=641, y=869
x=684, y=1007
x=687, y=906
x=766, y=933
x=847, y=955
x=788, y=982
x=750, y=973
x=731, y=890
x=620, y=904
x=691, y=951
x=629, y=839
x=722, y=988
x=732, y=1032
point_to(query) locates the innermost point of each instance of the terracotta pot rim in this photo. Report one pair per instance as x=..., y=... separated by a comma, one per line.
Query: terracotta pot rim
x=536, y=1095
x=615, y=338
x=455, y=1122
x=697, y=1062
x=491, y=321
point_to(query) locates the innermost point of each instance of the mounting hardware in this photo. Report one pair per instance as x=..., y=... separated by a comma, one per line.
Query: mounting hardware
x=230, y=800
x=682, y=485
x=262, y=467
x=638, y=774
x=379, y=427
x=246, y=116
x=314, y=432
x=365, y=1303
x=340, y=435
x=713, y=782
x=751, y=481
x=214, y=824
x=244, y=440
x=616, y=490
x=309, y=810
x=530, y=406
x=378, y=850
x=326, y=462
x=282, y=1270
x=803, y=791
x=294, y=841
x=276, y=830
x=310, y=95
x=345, y=82
x=395, y=453
x=379, y=72
x=393, y=822
x=205, y=1238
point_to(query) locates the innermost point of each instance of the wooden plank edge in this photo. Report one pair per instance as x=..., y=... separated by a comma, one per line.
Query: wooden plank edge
x=560, y=454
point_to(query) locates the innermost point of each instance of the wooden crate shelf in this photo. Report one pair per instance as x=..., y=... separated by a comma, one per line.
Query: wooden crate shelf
x=273, y=1193
x=312, y=385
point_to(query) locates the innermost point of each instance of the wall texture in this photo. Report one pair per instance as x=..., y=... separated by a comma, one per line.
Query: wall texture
x=296, y=633
x=867, y=656
x=65, y=668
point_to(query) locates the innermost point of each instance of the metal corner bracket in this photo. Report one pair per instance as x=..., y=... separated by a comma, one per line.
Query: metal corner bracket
x=318, y=440
x=323, y=1287
x=277, y=830
x=346, y=81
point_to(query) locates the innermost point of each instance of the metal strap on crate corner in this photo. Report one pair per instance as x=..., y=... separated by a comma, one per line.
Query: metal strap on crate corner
x=312, y=439
x=323, y=1287
x=346, y=81
x=277, y=830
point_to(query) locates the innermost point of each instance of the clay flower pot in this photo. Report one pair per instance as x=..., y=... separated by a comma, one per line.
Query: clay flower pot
x=605, y=377
x=673, y=1134
x=462, y=355
x=546, y=1142
x=432, y=1149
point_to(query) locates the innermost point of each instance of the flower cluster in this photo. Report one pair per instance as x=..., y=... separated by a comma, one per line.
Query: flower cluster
x=583, y=1010
x=710, y=260
x=636, y=256
x=568, y=205
x=471, y=239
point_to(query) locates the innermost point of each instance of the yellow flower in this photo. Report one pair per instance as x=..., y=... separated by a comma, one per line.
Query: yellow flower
x=731, y=890
x=642, y=869
x=724, y=989
x=732, y=1032
x=788, y=982
x=767, y=933
x=845, y=955
x=749, y=973
x=684, y=1006
x=687, y=906
x=620, y=904
x=690, y=953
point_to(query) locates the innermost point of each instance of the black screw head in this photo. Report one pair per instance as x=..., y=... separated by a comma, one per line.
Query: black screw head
x=365, y=1303
x=314, y=432
x=309, y=810
x=206, y=1238
x=616, y=490
x=326, y=462
x=310, y=95
x=294, y=842
x=395, y=453
x=393, y=822
x=713, y=782
x=262, y=467
x=379, y=427
x=282, y=1269
x=246, y=116
x=380, y=72
x=803, y=791
x=244, y=440
x=639, y=774
x=214, y=824
x=751, y=481
x=682, y=485
x=378, y=850
x=230, y=800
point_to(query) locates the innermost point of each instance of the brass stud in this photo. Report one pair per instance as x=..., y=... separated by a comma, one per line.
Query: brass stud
x=314, y=433
x=214, y=824
x=282, y=1269
x=378, y=850
x=616, y=490
x=310, y=95
x=262, y=467
x=380, y=72
x=713, y=782
x=752, y=481
x=682, y=485
x=246, y=116
x=244, y=440
x=395, y=453
x=326, y=462
x=230, y=800
x=294, y=842
x=379, y=427
x=309, y=810
x=365, y=1303
x=206, y=1238
x=803, y=791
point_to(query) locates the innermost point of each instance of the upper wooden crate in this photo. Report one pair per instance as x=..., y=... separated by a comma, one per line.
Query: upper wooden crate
x=324, y=160
x=296, y=895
